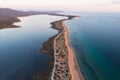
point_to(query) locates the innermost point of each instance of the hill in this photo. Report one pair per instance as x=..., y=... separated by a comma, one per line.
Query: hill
x=9, y=16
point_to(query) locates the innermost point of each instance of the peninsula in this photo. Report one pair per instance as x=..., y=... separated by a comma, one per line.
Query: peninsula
x=64, y=64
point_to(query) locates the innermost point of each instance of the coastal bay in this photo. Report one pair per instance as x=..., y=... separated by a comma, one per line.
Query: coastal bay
x=20, y=55
x=61, y=43
x=59, y=40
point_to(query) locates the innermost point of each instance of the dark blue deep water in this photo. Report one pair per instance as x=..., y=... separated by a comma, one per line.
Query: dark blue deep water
x=96, y=40
x=20, y=56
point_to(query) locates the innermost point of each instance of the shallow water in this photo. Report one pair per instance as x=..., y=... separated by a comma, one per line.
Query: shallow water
x=20, y=56
x=96, y=40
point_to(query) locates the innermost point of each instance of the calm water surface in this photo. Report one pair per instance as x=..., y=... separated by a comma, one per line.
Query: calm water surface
x=20, y=56
x=96, y=40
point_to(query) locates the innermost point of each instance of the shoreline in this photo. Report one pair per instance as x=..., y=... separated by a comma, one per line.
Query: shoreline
x=74, y=70
x=72, y=60
x=67, y=63
x=61, y=68
x=64, y=65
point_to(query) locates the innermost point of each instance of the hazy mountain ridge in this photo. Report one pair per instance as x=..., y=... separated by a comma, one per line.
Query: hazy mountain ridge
x=9, y=16
x=12, y=12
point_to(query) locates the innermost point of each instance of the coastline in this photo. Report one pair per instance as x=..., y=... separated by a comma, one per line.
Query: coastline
x=69, y=65
x=72, y=60
x=72, y=64
x=61, y=69
x=64, y=65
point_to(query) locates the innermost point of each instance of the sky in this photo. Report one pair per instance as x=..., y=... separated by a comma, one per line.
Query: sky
x=68, y=5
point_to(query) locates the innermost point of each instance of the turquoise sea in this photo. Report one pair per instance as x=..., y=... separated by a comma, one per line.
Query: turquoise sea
x=95, y=38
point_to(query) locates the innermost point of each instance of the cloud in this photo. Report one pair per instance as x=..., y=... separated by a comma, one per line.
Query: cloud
x=110, y=3
x=114, y=2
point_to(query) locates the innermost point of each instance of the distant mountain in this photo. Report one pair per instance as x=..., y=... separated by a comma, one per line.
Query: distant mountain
x=9, y=16
x=12, y=12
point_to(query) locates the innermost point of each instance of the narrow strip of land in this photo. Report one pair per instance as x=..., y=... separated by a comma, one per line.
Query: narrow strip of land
x=61, y=68
x=65, y=65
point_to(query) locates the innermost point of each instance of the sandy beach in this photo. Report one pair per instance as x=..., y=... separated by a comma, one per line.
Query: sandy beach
x=72, y=61
x=65, y=65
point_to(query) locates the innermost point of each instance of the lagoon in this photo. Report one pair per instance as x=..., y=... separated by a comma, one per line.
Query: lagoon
x=20, y=56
